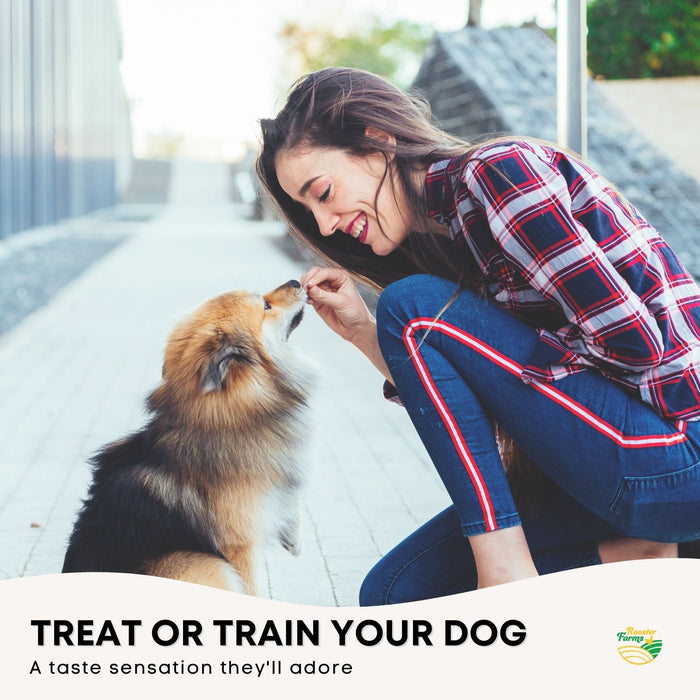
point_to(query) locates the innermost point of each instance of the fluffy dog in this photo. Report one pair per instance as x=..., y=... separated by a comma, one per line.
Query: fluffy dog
x=191, y=495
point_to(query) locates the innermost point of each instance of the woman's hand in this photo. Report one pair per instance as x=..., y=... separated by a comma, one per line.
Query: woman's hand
x=335, y=298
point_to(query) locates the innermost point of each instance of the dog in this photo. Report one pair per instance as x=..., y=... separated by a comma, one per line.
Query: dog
x=192, y=495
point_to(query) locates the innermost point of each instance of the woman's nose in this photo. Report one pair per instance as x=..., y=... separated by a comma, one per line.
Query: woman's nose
x=327, y=223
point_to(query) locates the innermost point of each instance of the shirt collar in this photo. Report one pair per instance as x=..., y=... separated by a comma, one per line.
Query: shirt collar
x=438, y=190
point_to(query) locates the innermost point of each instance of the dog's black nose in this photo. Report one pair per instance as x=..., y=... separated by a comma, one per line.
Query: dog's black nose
x=292, y=283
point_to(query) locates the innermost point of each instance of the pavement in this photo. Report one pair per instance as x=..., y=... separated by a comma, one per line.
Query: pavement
x=76, y=370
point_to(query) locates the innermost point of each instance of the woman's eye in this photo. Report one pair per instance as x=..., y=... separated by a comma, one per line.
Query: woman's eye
x=268, y=306
x=325, y=195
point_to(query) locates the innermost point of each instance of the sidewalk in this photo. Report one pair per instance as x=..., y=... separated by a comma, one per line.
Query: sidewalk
x=74, y=375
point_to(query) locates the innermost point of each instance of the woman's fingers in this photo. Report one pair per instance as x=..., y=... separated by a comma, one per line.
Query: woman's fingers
x=328, y=293
x=327, y=276
x=317, y=295
x=334, y=296
x=326, y=284
x=310, y=277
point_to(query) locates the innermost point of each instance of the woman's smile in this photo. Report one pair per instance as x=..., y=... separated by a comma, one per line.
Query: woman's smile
x=358, y=227
x=347, y=193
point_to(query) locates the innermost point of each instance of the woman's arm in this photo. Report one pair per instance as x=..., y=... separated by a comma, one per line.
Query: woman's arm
x=335, y=298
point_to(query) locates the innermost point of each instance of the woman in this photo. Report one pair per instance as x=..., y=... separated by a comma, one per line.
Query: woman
x=520, y=290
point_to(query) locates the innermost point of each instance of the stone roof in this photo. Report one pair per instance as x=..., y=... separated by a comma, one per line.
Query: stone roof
x=483, y=82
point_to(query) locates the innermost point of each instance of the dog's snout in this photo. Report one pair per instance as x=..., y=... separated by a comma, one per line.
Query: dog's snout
x=292, y=283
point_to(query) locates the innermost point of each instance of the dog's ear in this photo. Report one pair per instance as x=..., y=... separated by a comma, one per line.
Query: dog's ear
x=219, y=365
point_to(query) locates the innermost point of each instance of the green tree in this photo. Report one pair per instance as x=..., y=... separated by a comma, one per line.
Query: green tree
x=391, y=50
x=643, y=38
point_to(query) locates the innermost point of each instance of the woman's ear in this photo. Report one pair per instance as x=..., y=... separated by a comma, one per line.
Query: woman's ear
x=373, y=132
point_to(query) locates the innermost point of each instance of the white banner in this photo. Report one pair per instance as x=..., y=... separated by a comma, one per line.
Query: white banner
x=608, y=630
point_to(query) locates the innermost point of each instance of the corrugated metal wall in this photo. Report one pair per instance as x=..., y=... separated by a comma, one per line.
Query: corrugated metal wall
x=64, y=126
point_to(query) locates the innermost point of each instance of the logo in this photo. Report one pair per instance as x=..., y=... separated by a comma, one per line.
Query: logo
x=638, y=647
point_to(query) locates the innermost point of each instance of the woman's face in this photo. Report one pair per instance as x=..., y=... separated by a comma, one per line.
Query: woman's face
x=340, y=190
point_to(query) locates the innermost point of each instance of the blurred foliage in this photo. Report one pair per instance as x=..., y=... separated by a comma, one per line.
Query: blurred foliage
x=643, y=38
x=392, y=50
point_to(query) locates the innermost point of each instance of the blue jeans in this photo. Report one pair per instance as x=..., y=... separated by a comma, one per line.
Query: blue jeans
x=617, y=467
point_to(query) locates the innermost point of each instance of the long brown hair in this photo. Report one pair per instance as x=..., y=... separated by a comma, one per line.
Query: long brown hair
x=332, y=108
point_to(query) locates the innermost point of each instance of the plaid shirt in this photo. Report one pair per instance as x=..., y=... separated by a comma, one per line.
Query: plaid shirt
x=547, y=238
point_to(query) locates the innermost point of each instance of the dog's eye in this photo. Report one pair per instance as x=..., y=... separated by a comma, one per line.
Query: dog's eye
x=268, y=306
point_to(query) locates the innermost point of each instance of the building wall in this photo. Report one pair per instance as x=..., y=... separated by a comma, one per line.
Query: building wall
x=65, y=146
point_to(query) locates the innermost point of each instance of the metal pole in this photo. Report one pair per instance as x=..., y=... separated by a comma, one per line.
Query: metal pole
x=571, y=75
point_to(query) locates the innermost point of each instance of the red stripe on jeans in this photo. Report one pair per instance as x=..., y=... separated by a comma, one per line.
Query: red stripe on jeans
x=585, y=414
x=452, y=428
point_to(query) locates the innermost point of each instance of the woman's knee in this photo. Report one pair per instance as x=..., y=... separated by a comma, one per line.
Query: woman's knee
x=415, y=296
x=407, y=295
x=388, y=582
x=374, y=588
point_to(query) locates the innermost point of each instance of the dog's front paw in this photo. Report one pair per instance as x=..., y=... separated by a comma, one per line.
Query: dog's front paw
x=290, y=541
